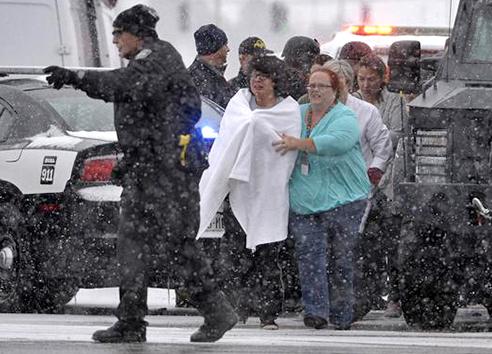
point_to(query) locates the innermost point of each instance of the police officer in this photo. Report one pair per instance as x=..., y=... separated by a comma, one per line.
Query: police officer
x=156, y=108
x=207, y=70
x=250, y=47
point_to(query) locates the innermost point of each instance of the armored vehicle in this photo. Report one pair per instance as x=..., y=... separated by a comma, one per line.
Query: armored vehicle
x=443, y=169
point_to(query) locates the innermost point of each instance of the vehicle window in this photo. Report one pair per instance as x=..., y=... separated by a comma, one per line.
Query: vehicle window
x=211, y=116
x=6, y=121
x=480, y=49
x=80, y=112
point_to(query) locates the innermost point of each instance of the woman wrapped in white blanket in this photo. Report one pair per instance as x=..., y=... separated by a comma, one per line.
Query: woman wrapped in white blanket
x=245, y=167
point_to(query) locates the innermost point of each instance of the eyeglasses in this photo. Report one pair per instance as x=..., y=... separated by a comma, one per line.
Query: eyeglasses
x=320, y=87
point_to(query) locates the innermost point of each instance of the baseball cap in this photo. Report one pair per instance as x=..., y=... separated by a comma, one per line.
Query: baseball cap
x=254, y=46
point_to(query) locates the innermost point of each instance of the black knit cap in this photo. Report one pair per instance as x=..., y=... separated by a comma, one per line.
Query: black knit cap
x=354, y=50
x=254, y=46
x=139, y=20
x=209, y=39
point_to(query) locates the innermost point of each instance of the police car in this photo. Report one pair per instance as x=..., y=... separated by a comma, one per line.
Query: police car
x=58, y=206
x=380, y=38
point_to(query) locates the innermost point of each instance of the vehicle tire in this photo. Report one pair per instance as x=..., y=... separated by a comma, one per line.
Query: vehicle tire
x=15, y=266
x=429, y=296
x=22, y=288
x=50, y=295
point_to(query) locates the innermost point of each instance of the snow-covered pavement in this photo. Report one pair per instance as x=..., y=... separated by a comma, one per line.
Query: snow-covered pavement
x=71, y=334
x=36, y=333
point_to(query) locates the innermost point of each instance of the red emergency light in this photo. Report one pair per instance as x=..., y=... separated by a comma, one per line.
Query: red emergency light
x=371, y=30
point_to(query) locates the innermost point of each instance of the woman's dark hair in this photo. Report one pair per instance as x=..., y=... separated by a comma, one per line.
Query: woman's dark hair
x=375, y=63
x=272, y=67
x=334, y=82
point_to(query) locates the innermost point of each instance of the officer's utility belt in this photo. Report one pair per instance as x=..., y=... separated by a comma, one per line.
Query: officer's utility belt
x=193, y=156
x=184, y=142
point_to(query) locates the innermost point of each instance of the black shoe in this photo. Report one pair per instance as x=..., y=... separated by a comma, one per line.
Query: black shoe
x=219, y=318
x=213, y=332
x=268, y=324
x=242, y=316
x=122, y=332
x=182, y=298
x=315, y=322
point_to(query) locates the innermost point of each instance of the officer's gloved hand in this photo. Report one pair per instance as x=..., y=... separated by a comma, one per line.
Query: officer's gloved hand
x=60, y=76
x=375, y=175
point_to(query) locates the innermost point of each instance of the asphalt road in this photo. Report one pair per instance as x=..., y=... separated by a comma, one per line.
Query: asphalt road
x=70, y=333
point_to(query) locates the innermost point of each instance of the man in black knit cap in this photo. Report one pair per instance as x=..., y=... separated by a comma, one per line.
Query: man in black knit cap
x=207, y=71
x=156, y=109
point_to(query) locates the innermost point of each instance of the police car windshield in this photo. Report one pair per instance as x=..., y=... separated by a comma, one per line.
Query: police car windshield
x=80, y=112
x=480, y=49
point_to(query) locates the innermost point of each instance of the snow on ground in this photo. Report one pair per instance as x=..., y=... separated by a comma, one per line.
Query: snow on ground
x=108, y=297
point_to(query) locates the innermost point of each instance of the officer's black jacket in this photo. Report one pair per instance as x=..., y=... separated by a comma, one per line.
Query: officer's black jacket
x=155, y=101
x=296, y=83
x=210, y=83
x=239, y=82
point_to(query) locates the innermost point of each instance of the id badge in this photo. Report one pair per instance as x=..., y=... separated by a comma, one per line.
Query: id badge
x=305, y=168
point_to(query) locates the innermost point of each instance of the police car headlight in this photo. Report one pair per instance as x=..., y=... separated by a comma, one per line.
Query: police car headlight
x=209, y=133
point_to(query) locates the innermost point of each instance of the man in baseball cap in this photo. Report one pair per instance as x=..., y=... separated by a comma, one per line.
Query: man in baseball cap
x=249, y=48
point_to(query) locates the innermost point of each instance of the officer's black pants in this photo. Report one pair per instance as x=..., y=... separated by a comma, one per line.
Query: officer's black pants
x=156, y=239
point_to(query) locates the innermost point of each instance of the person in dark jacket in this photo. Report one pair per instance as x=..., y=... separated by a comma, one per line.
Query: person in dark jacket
x=299, y=53
x=156, y=108
x=207, y=70
x=249, y=48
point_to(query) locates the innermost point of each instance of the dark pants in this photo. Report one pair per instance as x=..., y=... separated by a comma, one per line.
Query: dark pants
x=378, y=272
x=253, y=279
x=290, y=275
x=155, y=240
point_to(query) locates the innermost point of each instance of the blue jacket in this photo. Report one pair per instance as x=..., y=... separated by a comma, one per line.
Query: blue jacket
x=337, y=171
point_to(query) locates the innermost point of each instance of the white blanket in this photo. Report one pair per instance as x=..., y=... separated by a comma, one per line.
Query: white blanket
x=244, y=164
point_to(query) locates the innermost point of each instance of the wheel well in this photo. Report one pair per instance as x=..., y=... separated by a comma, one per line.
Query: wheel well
x=9, y=192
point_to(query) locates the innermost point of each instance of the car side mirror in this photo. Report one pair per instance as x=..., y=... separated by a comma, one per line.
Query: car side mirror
x=404, y=66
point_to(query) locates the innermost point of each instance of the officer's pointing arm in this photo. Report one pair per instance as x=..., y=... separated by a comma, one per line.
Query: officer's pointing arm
x=134, y=83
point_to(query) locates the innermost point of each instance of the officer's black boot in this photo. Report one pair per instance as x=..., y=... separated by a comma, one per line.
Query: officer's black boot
x=122, y=332
x=219, y=317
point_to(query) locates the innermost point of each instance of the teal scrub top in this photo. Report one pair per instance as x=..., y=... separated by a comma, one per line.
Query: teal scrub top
x=337, y=171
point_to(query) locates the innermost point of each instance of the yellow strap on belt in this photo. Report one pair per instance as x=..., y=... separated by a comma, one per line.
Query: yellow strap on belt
x=184, y=141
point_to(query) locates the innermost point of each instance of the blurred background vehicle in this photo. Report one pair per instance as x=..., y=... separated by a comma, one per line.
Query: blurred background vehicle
x=380, y=37
x=52, y=32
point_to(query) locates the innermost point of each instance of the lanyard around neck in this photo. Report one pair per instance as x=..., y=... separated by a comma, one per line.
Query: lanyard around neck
x=309, y=119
